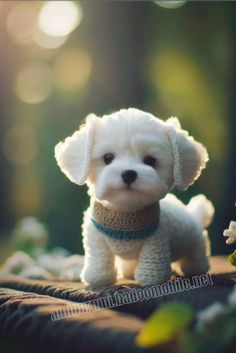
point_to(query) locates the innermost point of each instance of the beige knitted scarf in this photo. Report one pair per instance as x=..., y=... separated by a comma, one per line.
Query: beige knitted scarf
x=126, y=225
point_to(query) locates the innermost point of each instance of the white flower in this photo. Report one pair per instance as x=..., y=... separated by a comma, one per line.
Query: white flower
x=74, y=261
x=71, y=274
x=54, y=265
x=61, y=266
x=53, y=262
x=16, y=263
x=31, y=230
x=230, y=233
x=72, y=267
x=35, y=272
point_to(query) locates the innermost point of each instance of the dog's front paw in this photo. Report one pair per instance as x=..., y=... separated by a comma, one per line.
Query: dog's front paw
x=97, y=278
x=146, y=278
x=148, y=281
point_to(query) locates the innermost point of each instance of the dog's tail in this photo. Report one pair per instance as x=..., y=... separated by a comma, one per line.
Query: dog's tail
x=202, y=210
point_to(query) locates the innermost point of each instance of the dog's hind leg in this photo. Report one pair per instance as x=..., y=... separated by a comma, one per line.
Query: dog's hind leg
x=196, y=261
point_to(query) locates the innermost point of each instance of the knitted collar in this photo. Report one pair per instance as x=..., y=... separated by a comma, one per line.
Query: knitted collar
x=126, y=225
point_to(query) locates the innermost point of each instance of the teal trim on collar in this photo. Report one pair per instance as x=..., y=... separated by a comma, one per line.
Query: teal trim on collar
x=126, y=235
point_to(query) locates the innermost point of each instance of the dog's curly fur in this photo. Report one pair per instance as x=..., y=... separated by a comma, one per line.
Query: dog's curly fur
x=130, y=135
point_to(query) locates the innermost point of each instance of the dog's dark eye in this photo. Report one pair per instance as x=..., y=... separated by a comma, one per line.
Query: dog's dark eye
x=149, y=160
x=108, y=158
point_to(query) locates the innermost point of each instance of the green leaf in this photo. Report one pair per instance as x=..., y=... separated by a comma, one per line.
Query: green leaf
x=232, y=258
x=165, y=324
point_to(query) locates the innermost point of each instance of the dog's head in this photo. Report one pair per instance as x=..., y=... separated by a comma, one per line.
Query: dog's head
x=130, y=158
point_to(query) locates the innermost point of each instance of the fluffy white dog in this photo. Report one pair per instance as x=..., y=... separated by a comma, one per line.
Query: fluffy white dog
x=130, y=160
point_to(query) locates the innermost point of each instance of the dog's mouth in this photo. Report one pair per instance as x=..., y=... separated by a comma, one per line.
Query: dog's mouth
x=123, y=191
x=129, y=189
x=132, y=189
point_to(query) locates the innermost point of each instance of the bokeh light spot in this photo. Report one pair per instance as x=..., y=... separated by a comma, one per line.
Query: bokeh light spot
x=34, y=83
x=72, y=69
x=21, y=22
x=26, y=193
x=59, y=18
x=19, y=145
x=46, y=41
x=169, y=4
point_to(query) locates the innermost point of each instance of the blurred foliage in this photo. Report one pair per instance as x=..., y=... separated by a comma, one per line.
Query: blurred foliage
x=101, y=57
x=30, y=236
x=165, y=325
x=169, y=330
x=232, y=258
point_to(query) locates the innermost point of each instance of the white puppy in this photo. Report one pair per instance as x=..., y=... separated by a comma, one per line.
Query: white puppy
x=130, y=160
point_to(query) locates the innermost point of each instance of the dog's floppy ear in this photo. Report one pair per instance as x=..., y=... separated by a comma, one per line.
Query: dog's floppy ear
x=74, y=154
x=190, y=156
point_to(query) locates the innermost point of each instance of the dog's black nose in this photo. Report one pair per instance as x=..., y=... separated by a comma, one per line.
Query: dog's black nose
x=129, y=176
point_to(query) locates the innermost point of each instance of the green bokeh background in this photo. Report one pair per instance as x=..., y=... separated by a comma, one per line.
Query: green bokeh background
x=171, y=62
